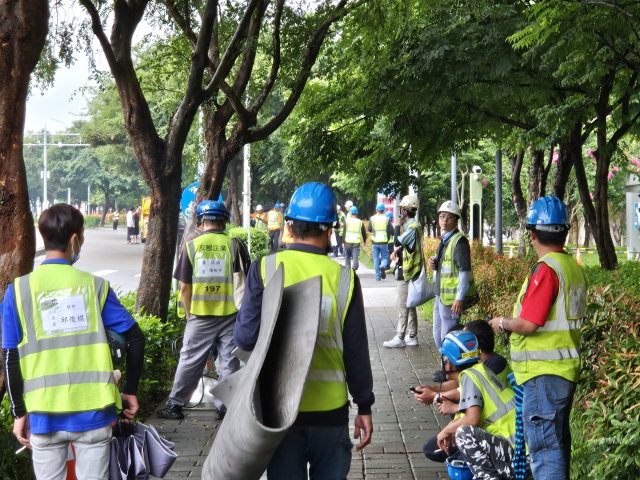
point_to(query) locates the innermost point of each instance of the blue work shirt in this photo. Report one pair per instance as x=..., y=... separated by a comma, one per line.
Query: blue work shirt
x=114, y=316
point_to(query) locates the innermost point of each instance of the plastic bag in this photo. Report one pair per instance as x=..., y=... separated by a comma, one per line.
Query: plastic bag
x=420, y=290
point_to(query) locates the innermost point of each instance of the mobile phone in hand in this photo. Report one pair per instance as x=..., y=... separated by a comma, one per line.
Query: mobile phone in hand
x=413, y=389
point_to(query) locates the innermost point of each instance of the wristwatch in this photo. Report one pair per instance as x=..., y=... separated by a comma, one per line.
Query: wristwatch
x=500, y=327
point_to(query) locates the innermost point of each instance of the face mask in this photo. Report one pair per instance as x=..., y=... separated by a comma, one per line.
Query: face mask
x=75, y=256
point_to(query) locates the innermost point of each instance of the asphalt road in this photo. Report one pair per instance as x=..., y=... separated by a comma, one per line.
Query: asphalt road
x=105, y=253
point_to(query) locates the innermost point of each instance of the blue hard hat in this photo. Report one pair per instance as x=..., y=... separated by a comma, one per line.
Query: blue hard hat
x=380, y=207
x=461, y=347
x=277, y=205
x=388, y=214
x=212, y=210
x=353, y=210
x=458, y=469
x=548, y=211
x=313, y=202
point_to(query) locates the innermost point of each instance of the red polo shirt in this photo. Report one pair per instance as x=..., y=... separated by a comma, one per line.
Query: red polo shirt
x=541, y=294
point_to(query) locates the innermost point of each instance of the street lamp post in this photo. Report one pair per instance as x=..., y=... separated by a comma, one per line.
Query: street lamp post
x=499, y=202
x=45, y=145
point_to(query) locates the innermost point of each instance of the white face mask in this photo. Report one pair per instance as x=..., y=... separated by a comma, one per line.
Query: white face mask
x=75, y=256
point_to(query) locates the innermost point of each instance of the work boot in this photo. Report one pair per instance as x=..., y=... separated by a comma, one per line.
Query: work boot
x=173, y=412
x=411, y=341
x=383, y=273
x=220, y=415
x=395, y=342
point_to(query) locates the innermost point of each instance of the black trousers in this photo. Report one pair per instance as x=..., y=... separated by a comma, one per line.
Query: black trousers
x=429, y=448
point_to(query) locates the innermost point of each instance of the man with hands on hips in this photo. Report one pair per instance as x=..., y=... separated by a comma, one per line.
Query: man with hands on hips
x=545, y=334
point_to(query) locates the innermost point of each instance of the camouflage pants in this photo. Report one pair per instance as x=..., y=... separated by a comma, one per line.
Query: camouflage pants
x=488, y=456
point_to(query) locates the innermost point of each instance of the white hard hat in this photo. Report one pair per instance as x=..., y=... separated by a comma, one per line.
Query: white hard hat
x=450, y=207
x=409, y=201
x=258, y=207
x=348, y=204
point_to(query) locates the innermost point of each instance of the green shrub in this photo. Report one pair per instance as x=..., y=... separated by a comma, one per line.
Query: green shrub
x=91, y=221
x=12, y=466
x=259, y=240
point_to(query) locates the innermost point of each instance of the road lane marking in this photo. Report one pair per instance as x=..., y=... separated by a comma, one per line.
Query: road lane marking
x=102, y=273
x=137, y=275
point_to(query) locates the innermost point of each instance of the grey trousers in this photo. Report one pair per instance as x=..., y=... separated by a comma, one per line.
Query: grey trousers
x=407, y=317
x=274, y=240
x=199, y=336
x=443, y=321
x=352, y=251
x=93, y=451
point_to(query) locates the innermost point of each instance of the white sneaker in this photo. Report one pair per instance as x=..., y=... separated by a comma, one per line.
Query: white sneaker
x=411, y=341
x=395, y=342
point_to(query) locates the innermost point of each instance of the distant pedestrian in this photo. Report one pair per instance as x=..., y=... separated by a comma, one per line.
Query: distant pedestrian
x=116, y=219
x=354, y=234
x=338, y=250
x=130, y=225
x=274, y=223
x=136, y=225
x=381, y=230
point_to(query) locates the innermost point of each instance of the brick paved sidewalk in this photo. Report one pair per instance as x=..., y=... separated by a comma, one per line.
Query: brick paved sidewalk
x=401, y=425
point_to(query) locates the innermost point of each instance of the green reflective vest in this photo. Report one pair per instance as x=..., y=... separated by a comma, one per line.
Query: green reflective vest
x=64, y=354
x=412, y=262
x=555, y=348
x=450, y=276
x=326, y=387
x=211, y=256
x=260, y=225
x=275, y=220
x=353, y=232
x=498, y=415
x=379, y=228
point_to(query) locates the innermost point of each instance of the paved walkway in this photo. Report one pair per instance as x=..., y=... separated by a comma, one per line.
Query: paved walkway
x=401, y=425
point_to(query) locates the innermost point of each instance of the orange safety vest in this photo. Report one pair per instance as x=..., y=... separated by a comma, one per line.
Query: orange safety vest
x=287, y=236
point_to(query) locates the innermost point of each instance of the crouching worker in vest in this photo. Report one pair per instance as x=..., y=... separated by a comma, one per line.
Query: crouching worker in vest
x=484, y=430
x=320, y=434
x=205, y=270
x=545, y=339
x=56, y=358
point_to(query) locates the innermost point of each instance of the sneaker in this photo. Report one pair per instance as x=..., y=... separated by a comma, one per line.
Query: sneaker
x=411, y=341
x=173, y=412
x=377, y=279
x=395, y=342
x=383, y=274
x=220, y=415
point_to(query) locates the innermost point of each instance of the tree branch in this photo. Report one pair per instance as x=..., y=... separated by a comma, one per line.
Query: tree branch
x=235, y=101
x=275, y=66
x=98, y=31
x=505, y=120
x=182, y=22
x=612, y=5
x=309, y=59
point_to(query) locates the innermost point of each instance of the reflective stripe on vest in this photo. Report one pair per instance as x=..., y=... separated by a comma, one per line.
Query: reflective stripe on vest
x=353, y=233
x=450, y=276
x=326, y=387
x=275, y=220
x=379, y=228
x=212, y=290
x=498, y=415
x=412, y=262
x=553, y=349
x=55, y=338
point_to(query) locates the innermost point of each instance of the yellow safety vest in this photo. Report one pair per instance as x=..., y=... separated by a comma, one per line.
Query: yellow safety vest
x=260, y=225
x=326, y=387
x=449, y=275
x=64, y=354
x=275, y=220
x=353, y=232
x=498, y=415
x=287, y=236
x=412, y=262
x=211, y=256
x=555, y=348
x=379, y=228
x=180, y=310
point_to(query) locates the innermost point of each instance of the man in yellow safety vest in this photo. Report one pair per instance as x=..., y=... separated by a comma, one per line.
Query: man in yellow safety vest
x=57, y=364
x=545, y=339
x=206, y=271
x=274, y=223
x=353, y=234
x=261, y=218
x=485, y=426
x=381, y=230
x=320, y=434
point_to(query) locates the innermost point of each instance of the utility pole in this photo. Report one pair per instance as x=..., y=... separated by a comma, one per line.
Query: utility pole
x=454, y=178
x=499, y=202
x=45, y=145
x=68, y=196
x=88, y=199
x=246, y=187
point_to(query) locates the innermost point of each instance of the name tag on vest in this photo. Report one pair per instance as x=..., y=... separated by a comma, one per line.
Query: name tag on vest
x=211, y=267
x=63, y=315
x=446, y=269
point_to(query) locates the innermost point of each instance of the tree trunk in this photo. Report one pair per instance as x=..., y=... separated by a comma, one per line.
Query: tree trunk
x=587, y=234
x=604, y=242
x=544, y=174
x=536, y=174
x=23, y=30
x=105, y=208
x=518, y=198
x=233, y=190
x=569, y=149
